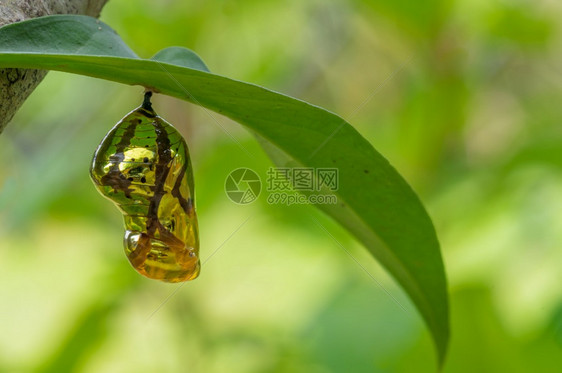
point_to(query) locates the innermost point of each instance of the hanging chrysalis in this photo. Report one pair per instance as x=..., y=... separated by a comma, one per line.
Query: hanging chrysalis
x=143, y=166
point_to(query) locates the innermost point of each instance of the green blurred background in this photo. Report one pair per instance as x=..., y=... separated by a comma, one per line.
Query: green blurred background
x=463, y=97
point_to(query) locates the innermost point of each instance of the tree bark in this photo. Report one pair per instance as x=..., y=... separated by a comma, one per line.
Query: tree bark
x=17, y=84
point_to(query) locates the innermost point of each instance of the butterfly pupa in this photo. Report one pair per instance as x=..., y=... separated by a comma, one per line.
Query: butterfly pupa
x=143, y=166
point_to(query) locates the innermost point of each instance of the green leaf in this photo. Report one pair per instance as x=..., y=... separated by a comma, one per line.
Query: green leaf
x=374, y=201
x=62, y=34
x=181, y=57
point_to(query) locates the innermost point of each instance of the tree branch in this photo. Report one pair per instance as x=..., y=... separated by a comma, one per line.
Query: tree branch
x=17, y=84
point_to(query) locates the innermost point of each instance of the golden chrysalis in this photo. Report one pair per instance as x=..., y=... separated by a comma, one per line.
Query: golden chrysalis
x=143, y=166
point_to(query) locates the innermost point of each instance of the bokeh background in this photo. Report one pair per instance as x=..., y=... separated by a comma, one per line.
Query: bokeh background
x=463, y=97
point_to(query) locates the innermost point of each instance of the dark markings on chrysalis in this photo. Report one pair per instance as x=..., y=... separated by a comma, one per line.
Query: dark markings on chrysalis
x=143, y=166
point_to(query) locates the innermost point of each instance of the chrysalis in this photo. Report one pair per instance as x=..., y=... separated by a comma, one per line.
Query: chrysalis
x=143, y=166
